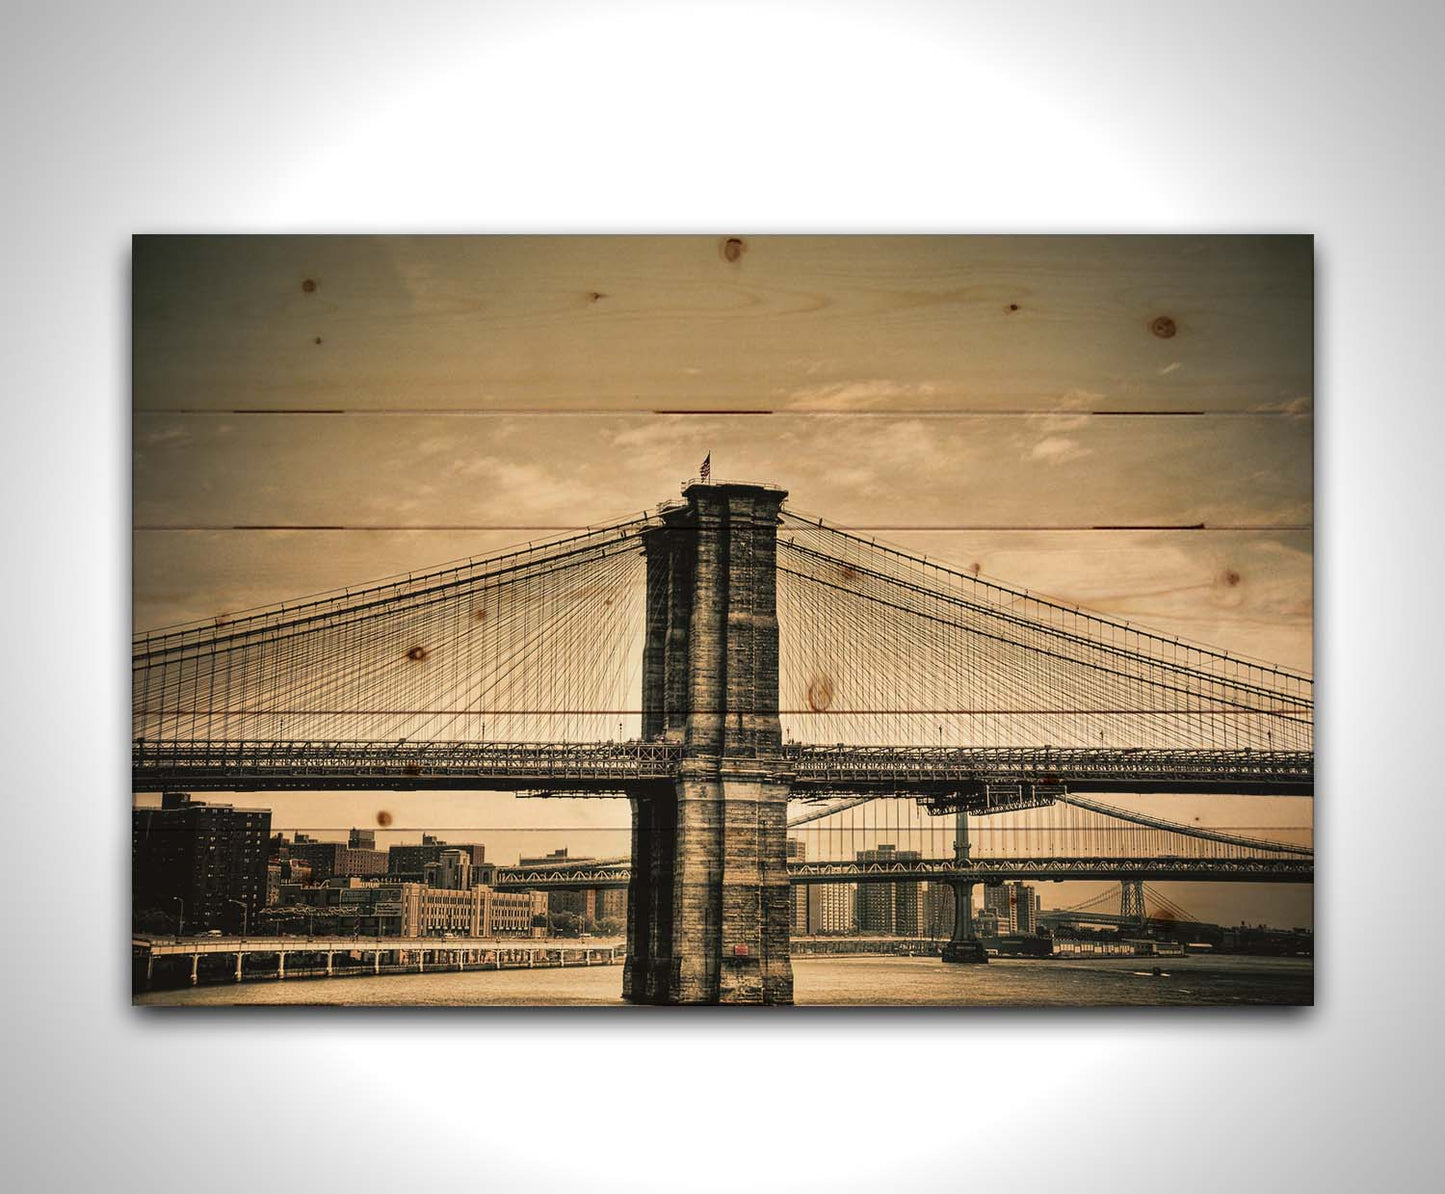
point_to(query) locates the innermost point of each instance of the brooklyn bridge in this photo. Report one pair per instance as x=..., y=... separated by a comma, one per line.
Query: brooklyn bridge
x=713, y=660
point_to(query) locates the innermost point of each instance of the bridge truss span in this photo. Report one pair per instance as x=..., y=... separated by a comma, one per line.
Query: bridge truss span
x=887, y=831
x=596, y=875
x=946, y=870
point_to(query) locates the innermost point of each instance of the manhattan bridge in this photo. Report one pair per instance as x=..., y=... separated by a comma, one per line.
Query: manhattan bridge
x=713, y=660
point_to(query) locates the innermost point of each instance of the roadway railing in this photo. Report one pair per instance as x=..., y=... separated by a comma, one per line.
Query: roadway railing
x=228, y=766
x=962, y=774
x=844, y=768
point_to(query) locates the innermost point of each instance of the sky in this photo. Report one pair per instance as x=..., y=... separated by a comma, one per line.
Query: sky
x=1123, y=423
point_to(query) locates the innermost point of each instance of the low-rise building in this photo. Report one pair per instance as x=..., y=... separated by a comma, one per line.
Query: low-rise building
x=988, y=923
x=510, y=913
x=415, y=910
x=337, y=860
x=612, y=905
x=439, y=912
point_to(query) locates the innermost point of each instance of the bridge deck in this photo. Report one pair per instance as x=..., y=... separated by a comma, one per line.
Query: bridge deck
x=582, y=768
x=944, y=770
x=944, y=774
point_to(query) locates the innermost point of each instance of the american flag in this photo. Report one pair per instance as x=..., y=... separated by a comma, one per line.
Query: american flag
x=706, y=471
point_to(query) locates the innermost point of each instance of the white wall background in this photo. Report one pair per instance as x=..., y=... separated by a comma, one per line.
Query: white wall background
x=960, y=117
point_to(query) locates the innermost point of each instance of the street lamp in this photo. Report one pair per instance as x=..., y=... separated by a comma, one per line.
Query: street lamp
x=244, y=912
x=180, y=916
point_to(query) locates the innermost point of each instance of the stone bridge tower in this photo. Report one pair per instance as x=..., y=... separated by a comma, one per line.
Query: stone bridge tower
x=707, y=914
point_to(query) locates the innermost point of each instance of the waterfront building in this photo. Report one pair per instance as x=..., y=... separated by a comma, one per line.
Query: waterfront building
x=1017, y=905
x=889, y=909
x=415, y=910
x=1024, y=904
x=436, y=912
x=836, y=910
x=509, y=913
x=938, y=901
x=475, y=912
x=199, y=863
x=804, y=911
x=988, y=923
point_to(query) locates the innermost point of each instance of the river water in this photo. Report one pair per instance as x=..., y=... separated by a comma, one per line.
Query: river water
x=895, y=982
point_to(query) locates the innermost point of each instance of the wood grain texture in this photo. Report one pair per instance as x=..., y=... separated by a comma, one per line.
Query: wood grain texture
x=1022, y=405
x=664, y=323
x=541, y=472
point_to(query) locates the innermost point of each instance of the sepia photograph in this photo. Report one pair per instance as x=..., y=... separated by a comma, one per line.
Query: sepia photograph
x=837, y=620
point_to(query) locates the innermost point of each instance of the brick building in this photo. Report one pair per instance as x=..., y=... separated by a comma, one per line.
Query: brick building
x=201, y=863
x=409, y=860
x=337, y=860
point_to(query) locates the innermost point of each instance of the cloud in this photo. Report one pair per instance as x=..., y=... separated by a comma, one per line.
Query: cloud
x=874, y=394
x=1298, y=406
x=171, y=434
x=1083, y=401
x=1057, y=449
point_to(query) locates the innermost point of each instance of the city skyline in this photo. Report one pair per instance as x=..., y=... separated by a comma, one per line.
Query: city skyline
x=1225, y=907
